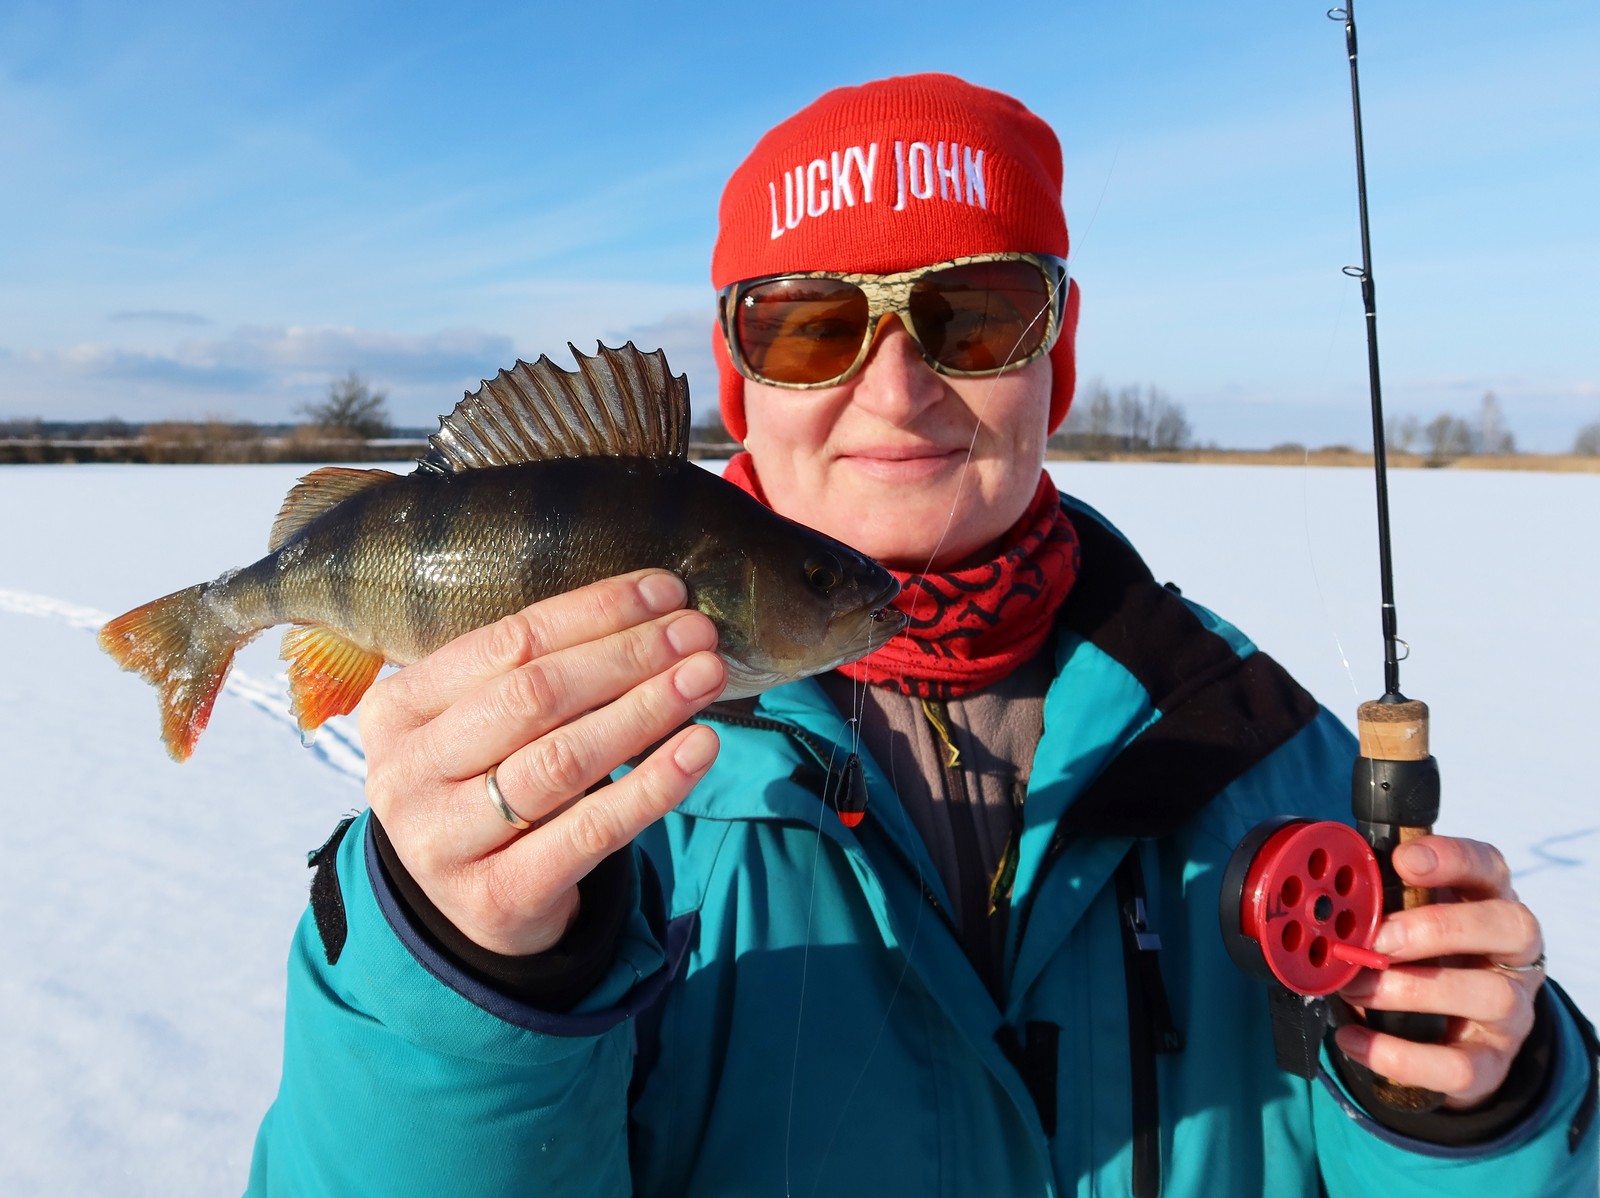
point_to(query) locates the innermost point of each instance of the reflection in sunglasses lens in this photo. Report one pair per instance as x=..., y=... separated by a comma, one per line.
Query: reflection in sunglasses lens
x=801, y=330
x=979, y=317
x=982, y=315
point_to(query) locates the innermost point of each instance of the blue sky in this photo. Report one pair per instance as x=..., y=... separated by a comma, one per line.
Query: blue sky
x=216, y=210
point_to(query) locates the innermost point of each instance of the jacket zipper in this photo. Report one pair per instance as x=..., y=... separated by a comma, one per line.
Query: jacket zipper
x=1150, y=1026
x=978, y=929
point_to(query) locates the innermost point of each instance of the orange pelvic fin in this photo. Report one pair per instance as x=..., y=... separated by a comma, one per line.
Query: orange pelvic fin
x=327, y=675
x=181, y=647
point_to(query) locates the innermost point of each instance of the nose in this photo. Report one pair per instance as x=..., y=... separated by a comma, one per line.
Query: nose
x=896, y=383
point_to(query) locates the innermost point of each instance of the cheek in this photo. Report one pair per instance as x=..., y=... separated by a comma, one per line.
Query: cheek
x=785, y=433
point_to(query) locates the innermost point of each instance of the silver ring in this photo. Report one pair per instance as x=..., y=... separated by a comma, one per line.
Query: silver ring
x=500, y=804
x=1533, y=967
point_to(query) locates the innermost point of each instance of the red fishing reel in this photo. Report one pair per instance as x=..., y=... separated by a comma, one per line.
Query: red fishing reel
x=1301, y=903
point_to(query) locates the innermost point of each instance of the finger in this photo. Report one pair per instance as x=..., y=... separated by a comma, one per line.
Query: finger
x=1500, y=929
x=1466, y=1072
x=1483, y=995
x=546, y=775
x=510, y=710
x=1469, y=867
x=426, y=687
x=544, y=778
x=567, y=848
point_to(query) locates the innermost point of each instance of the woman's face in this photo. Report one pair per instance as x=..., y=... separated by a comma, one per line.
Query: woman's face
x=921, y=471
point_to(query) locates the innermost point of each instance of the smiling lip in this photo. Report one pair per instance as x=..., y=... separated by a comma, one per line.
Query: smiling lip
x=906, y=462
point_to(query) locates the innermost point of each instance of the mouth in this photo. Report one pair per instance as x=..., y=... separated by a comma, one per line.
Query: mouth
x=884, y=621
x=904, y=462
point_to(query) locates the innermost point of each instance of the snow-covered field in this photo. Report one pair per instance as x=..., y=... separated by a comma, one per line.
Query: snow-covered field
x=146, y=908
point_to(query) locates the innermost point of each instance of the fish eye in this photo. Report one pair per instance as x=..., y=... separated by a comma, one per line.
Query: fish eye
x=824, y=572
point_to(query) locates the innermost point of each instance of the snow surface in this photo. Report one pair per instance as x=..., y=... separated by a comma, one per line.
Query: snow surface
x=146, y=908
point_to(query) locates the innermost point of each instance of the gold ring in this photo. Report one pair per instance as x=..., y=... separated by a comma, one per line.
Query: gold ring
x=500, y=804
x=1533, y=967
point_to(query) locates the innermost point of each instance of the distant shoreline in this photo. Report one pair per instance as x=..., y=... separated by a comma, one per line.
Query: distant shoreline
x=270, y=450
x=1551, y=463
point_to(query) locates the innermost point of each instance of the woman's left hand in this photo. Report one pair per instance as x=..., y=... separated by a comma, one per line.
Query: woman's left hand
x=1475, y=924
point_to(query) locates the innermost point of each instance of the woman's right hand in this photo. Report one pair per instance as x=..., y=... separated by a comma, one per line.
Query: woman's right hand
x=555, y=696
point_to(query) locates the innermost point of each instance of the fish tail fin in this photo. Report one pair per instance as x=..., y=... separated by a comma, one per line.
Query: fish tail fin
x=183, y=649
x=327, y=675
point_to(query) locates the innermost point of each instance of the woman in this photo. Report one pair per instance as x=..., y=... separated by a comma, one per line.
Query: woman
x=1007, y=978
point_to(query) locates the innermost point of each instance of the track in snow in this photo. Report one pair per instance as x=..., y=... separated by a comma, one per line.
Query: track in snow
x=334, y=745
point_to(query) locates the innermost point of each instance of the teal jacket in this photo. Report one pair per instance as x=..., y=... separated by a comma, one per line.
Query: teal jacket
x=789, y=1011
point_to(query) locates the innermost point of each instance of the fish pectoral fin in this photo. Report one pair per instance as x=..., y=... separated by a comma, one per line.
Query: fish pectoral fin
x=316, y=493
x=618, y=403
x=327, y=674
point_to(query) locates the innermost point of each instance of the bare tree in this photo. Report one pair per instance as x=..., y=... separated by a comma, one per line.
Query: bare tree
x=1089, y=420
x=352, y=409
x=1588, y=440
x=1137, y=419
x=1169, y=427
x=1101, y=417
x=1448, y=436
x=1492, y=436
x=1402, y=434
x=1133, y=419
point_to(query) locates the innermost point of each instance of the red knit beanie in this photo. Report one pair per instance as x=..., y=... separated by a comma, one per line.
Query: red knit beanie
x=889, y=176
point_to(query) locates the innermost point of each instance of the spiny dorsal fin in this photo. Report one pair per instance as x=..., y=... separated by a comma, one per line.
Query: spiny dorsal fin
x=619, y=403
x=316, y=493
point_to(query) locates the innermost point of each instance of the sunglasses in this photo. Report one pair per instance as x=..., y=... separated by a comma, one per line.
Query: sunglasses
x=971, y=317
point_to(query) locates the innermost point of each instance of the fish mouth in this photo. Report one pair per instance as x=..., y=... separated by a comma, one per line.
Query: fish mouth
x=885, y=620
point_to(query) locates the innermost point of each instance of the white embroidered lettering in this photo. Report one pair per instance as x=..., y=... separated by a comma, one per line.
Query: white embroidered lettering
x=777, y=229
x=816, y=187
x=921, y=172
x=844, y=195
x=868, y=166
x=976, y=192
x=949, y=175
x=899, y=176
x=794, y=197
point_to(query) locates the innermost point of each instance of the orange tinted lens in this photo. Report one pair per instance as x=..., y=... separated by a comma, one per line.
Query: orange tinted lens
x=981, y=316
x=800, y=330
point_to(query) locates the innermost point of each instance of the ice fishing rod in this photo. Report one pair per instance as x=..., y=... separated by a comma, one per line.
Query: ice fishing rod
x=1395, y=786
x=1302, y=901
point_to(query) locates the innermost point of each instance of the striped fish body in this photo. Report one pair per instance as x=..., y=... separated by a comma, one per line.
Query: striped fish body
x=369, y=567
x=411, y=562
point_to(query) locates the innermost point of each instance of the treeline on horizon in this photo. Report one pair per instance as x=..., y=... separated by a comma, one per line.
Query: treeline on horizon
x=352, y=423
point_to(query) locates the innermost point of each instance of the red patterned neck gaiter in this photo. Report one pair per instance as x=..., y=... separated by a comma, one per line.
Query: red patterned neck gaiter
x=970, y=628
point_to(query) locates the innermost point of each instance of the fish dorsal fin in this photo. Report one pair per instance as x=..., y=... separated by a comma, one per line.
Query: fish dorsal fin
x=316, y=493
x=619, y=403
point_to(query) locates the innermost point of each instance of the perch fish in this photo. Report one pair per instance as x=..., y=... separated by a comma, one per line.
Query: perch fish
x=541, y=481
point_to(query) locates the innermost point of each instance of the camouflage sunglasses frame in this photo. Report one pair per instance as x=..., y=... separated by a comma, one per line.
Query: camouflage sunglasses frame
x=890, y=294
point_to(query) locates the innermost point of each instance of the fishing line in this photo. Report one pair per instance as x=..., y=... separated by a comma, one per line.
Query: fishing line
x=800, y=1000
x=1316, y=579
x=857, y=718
x=1305, y=513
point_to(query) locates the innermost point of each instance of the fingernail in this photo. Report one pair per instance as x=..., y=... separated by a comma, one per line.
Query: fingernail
x=1391, y=938
x=698, y=677
x=1362, y=988
x=697, y=751
x=691, y=633
x=1355, y=1042
x=1416, y=859
x=663, y=592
